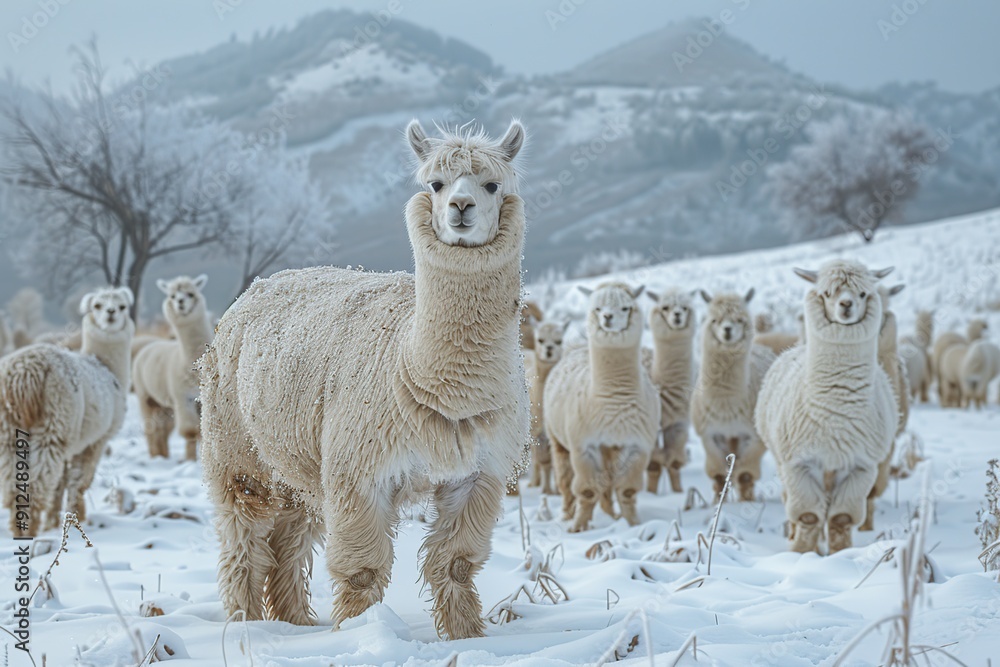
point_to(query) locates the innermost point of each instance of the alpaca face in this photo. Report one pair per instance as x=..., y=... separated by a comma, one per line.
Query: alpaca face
x=846, y=289
x=549, y=341
x=613, y=316
x=673, y=312
x=728, y=318
x=467, y=176
x=183, y=293
x=108, y=308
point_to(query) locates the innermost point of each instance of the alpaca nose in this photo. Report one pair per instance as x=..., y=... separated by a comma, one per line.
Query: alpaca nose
x=607, y=319
x=461, y=202
x=846, y=304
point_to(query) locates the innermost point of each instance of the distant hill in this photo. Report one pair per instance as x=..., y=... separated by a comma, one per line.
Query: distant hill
x=625, y=150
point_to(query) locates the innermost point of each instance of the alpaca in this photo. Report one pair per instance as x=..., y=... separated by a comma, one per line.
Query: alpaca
x=602, y=412
x=539, y=362
x=163, y=373
x=915, y=353
x=722, y=408
x=976, y=329
x=6, y=338
x=531, y=314
x=71, y=403
x=980, y=365
x=892, y=364
x=949, y=394
x=950, y=376
x=384, y=389
x=673, y=323
x=827, y=411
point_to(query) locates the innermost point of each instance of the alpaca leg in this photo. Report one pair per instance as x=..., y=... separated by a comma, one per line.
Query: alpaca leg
x=674, y=441
x=628, y=481
x=805, y=506
x=536, y=468
x=187, y=426
x=79, y=476
x=158, y=422
x=588, y=485
x=455, y=550
x=286, y=594
x=881, y=484
x=564, y=479
x=544, y=459
x=847, y=506
x=360, y=526
x=657, y=461
x=609, y=458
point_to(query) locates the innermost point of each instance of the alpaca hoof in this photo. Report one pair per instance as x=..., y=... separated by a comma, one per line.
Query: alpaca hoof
x=579, y=527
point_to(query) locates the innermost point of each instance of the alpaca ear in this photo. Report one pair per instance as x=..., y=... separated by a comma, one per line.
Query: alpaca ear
x=163, y=286
x=200, y=281
x=418, y=140
x=653, y=295
x=705, y=295
x=586, y=291
x=127, y=293
x=513, y=140
x=85, y=303
x=805, y=274
x=565, y=325
x=749, y=296
x=637, y=292
x=896, y=289
x=882, y=273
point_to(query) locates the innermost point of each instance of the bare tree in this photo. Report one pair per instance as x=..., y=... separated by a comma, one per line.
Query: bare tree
x=855, y=173
x=114, y=185
x=280, y=220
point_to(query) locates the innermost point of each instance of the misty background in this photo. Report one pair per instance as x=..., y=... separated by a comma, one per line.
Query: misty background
x=641, y=116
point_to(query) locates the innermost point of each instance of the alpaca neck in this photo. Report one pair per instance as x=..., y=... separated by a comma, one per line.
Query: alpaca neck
x=672, y=358
x=726, y=369
x=193, y=332
x=614, y=370
x=542, y=370
x=465, y=331
x=112, y=350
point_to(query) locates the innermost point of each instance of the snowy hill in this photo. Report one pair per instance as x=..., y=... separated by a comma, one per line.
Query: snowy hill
x=625, y=149
x=150, y=522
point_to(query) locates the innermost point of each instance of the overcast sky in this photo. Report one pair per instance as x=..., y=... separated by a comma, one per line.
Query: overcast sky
x=838, y=41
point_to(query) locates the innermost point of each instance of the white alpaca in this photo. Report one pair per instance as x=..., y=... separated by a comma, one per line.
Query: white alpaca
x=538, y=363
x=670, y=366
x=70, y=403
x=163, y=373
x=979, y=367
x=722, y=408
x=531, y=315
x=914, y=350
x=602, y=413
x=827, y=411
x=331, y=398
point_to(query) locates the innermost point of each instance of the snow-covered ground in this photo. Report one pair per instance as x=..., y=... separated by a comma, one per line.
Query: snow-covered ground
x=761, y=605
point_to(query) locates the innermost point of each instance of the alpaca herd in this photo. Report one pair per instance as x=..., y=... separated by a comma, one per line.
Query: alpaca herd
x=326, y=400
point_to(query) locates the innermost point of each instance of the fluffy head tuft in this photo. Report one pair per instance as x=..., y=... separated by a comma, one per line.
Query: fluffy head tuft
x=672, y=313
x=846, y=288
x=108, y=309
x=613, y=319
x=728, y=320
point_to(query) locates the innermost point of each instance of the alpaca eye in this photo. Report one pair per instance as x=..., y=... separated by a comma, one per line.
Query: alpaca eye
x=97, y=306
x=624, y=309
x=863, y=294
x=190, y=295
x=541, y=341
x=492, y=187
x=436, y=186
x=121, y=307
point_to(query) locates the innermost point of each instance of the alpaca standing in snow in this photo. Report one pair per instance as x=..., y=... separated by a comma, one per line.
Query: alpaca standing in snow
x=531, y=315
x=827, y=411
x=732, y=369
x=602, y=413
x=331, y=398
x=980, y=365
x=670, y=365
x=538, y=363
x=914, y=350
x=892, y=364
x=163, y=373
x=71, y=403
